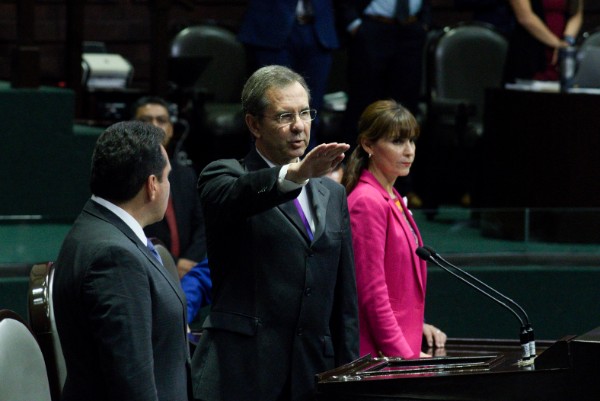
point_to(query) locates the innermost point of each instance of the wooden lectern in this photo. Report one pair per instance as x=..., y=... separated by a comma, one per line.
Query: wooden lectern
x=474, y=369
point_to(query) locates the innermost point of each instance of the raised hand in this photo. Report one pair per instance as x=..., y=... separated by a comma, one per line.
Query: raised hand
x=318, y=162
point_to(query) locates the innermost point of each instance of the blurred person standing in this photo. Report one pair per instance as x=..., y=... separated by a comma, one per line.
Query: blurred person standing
x=543, y=28
x=280, y=252
x=385, y=53
x=391, y=279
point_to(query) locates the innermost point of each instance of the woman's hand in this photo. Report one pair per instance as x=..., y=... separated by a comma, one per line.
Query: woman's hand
x=434, y=336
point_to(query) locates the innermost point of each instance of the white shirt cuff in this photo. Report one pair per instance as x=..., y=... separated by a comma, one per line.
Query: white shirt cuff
x=286, y=185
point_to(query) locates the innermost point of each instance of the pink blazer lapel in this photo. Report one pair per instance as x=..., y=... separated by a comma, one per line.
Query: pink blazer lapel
x=407, y=222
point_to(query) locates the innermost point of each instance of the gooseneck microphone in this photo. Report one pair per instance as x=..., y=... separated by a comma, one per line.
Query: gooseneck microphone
x=526, y=335
x=526, y=330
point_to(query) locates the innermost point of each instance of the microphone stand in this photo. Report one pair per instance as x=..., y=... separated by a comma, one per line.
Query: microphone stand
x=527, y=326
x=526, y=332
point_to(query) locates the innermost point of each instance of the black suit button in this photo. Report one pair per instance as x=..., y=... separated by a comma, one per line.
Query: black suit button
x=308, y=291
x=300, y=331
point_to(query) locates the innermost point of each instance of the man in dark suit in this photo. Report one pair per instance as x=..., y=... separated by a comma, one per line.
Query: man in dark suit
x=280, y=250
x=299, y=34
x=182, y=229
x=120, y=315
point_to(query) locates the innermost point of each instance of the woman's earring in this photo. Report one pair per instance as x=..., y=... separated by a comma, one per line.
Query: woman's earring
x=370, y=154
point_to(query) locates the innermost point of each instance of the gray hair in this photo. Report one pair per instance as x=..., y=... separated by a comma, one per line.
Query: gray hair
x=254, y=100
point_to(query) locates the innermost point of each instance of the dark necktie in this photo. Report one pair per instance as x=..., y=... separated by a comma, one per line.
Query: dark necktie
x=154, y=251
x=304, y=219
x=402, y=12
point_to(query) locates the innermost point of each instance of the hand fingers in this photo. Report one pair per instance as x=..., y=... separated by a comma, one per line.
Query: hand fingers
x=332, y=152
x=440, y=339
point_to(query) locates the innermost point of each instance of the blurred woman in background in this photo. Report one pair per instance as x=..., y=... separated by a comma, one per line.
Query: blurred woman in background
x=543, y=27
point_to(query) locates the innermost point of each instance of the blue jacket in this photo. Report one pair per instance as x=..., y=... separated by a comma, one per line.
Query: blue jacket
x=197, y=285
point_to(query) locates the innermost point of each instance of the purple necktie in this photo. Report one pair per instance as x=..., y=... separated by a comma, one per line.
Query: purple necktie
x=153, y=251
x=304, y=219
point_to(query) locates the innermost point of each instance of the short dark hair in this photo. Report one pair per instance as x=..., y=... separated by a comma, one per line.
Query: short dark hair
x=149, y=100
x=254, y=99
x=125, y=155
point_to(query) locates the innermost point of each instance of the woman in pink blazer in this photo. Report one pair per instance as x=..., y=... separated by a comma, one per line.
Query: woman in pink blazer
x=390, y=278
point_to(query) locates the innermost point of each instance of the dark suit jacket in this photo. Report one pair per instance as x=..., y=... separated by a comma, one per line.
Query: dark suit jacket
x=268, y=23
x=283, y=308
x=120, y=315
x=188, y=214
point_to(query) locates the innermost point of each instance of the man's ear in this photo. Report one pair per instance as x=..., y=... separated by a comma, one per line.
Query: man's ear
x=151, y=187
x=253, y=124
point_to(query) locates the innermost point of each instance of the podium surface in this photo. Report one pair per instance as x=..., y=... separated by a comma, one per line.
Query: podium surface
x=474, y=369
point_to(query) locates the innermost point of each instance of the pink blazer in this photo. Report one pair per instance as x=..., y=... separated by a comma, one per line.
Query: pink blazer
x=390, y=277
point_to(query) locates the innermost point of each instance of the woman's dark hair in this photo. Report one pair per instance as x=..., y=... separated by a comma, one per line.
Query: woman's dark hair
x=381, y=119
x=126, y=154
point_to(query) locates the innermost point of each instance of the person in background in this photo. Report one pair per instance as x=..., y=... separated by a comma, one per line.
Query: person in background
x=391, y=279
x=385, y=40
x=119, y=314
x=385, y=53
x=544, y=27
x=299, y=34
x=182, y=229
x=280, y=251
x=196, y=285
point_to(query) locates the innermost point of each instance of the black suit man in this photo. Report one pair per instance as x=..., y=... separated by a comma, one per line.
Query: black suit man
x=119, y=313
x=284, y=293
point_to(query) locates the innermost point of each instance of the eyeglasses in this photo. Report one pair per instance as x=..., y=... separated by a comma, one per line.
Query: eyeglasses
x=290, y=118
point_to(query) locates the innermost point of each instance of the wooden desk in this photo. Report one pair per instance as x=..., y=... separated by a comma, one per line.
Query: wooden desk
x=564, y=370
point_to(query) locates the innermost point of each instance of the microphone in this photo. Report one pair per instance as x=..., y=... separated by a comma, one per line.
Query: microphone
x=527, y=328
x=526, y=336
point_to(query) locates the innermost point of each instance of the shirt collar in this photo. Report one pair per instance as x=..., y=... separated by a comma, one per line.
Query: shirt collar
x=123, y=215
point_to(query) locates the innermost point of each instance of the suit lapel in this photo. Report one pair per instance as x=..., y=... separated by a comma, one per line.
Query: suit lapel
x=408, y=226
x=318, y=195
x=291, y=213
x=253, y=162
